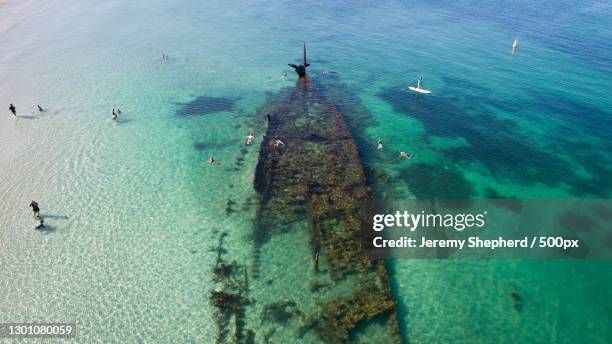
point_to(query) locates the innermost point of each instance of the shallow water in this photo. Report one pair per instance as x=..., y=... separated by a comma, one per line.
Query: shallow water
x=135, y=211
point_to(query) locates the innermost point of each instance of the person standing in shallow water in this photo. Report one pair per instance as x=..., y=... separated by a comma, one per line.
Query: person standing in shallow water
x=35, y=208
x=13, y=110
x=249, y=139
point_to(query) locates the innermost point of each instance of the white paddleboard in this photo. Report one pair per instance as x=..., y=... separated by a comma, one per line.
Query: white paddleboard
x=419, y=90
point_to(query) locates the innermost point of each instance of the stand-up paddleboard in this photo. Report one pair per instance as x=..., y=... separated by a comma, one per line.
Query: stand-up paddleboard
x=419, y=90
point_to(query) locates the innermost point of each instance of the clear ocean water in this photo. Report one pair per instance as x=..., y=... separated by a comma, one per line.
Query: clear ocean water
x=135, y=210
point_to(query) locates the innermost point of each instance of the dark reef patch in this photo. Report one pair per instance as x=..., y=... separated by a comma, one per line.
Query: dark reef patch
x=603, y=212
x=202, y=146
x=493, y=194
x=574, y=221
x=499, y=144
x=205, y=105
x=600, y=182
x=577, y=114
x=432, y=181
x=517, y=301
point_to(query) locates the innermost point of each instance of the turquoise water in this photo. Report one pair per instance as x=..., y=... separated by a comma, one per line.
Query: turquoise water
x=135, y=210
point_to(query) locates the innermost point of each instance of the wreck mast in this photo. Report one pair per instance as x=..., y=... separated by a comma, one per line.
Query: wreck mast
x=301, y=69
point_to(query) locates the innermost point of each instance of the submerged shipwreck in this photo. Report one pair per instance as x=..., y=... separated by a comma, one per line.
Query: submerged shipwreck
x=311, y=278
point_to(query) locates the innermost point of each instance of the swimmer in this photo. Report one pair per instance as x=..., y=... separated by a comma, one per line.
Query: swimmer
x=249, y=139
x=380, y=144
x=40, y=109
x=114, y=116
x=284, y=76
x=212, y=160
x=35, y=208
x=119, y=111
x=13, y=110
x=405, y=155
x=42, y=224
x=278, y=143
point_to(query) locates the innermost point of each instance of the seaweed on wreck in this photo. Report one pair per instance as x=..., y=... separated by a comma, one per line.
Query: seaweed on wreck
x=339, y=319
x=230, y=300
x=318, y=173
x=229, y=207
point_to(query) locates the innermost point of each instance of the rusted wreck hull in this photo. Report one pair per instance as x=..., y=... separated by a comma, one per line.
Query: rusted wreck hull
x=314, y=175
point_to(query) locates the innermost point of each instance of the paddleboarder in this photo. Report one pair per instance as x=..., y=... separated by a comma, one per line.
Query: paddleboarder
x=418, y=88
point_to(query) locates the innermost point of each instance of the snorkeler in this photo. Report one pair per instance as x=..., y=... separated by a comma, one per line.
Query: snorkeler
x=405, y=155
x=380, y=144
x=35, y=208
x=114, y=116
x=40, y=109
x=284, y=76
x=119, y=111
x=278, y=143
x=212, y=160
x=13, y=110
x=42, y=224
x=268, y=117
